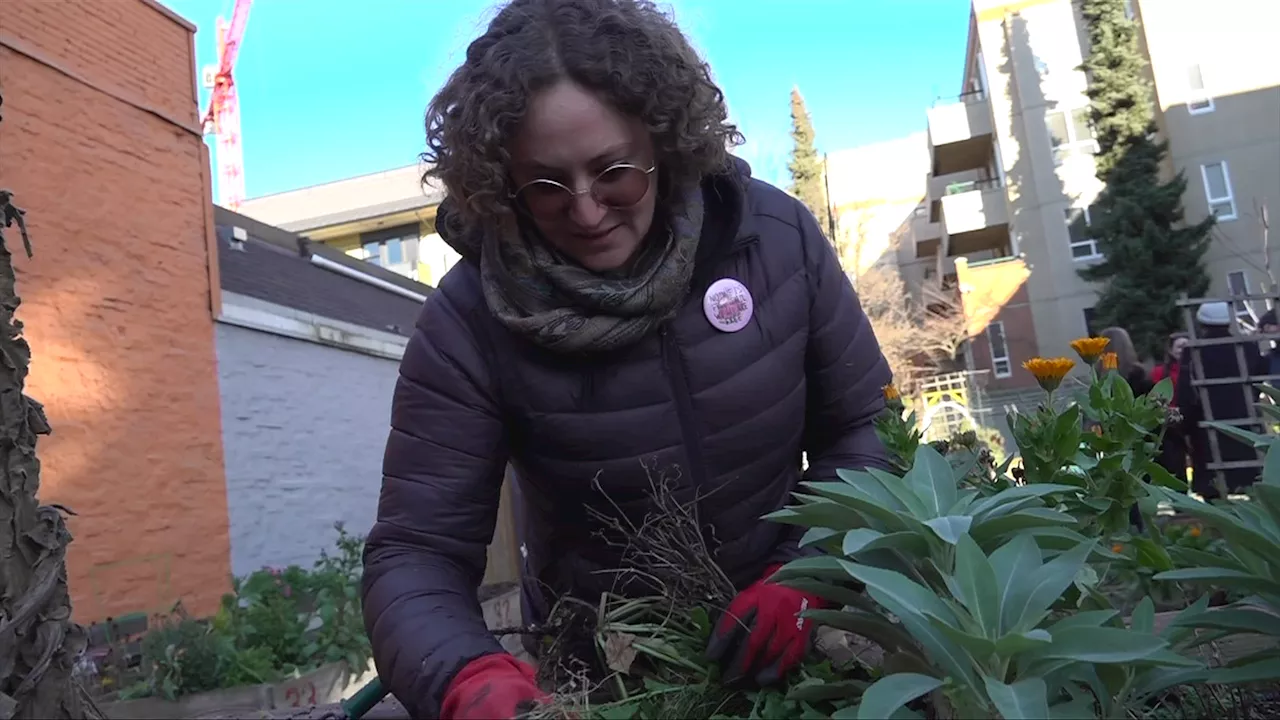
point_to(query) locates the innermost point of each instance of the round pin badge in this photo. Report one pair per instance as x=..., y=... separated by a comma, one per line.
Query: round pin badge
x=728, y=305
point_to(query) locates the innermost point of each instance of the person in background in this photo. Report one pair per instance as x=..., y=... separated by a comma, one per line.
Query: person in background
x=1135, y=374
x=1226, y=402
x=1127, y=364
x=1269, y=359
x=1174, y=452
x=628, y=295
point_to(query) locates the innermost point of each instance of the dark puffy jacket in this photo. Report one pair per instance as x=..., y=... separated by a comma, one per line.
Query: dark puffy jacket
x=734, y=410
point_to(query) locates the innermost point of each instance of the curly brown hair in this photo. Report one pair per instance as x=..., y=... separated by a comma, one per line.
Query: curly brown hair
x=628, y=52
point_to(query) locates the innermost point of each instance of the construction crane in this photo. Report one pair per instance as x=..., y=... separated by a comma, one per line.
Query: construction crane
x=222, y=119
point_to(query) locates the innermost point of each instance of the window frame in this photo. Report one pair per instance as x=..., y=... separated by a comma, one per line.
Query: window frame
x=1073, y=144
x=1241, y=306
x=1006, y=358
x=1201, y=95
x=1090, y=320
x=1229, y=199
x=410, y=238
x=1072, y=243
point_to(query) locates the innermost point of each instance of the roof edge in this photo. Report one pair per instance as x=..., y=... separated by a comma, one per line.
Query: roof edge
x=171, y=14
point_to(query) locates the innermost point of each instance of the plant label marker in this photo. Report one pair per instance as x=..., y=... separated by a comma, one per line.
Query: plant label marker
x=728, y=305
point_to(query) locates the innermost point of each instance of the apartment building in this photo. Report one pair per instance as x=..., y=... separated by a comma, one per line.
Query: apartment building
x=386, y=218
x=1012, y=173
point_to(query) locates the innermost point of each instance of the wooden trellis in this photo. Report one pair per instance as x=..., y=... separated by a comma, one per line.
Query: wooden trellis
x=1245, y=380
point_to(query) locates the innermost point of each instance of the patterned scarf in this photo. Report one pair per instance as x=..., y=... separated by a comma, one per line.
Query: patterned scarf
x=566, y=308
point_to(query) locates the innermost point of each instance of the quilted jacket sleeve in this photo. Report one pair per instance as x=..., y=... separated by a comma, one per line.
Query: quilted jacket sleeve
x=846, y=373
x=442, y=474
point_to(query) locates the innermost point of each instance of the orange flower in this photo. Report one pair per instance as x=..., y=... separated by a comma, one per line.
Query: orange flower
x=1097, y=430
x=1117, y=548
x=1110, y=361
x=1049, y=372
x=1090, y=348
x=890, y=393
x=1194, y=531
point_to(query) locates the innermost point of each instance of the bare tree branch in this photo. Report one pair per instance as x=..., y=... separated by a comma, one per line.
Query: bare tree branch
x=918, y=335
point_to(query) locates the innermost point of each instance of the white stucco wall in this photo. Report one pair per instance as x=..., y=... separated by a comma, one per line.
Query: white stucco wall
x=304, y=427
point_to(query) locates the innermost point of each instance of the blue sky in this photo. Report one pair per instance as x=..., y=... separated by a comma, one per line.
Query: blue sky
x=331, y=89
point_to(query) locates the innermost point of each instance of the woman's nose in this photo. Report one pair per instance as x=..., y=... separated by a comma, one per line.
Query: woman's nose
x=586, y=211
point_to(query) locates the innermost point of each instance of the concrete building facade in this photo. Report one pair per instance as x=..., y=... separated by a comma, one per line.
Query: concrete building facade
x=1012, y=173
x=309, y=343
x=385, y=218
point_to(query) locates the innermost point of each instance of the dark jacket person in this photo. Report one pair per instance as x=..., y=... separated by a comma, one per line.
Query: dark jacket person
x=1226, y=402
x=628, y=293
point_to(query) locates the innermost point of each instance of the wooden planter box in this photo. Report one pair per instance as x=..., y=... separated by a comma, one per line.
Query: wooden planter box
x=325, y=685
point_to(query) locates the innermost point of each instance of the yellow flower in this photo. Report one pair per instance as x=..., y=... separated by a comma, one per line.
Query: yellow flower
x=1090, y=348
x=1110, y=361
x=1194, y=531
x=1049, y=372
x=1117, y=548
x=890, y=393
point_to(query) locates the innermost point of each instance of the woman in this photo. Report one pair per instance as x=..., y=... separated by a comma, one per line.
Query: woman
x=1127, y=364
x=627, y=292
x=1173, y=450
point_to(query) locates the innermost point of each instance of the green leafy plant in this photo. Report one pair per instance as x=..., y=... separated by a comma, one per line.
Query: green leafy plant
x=1248, y=560
x=275, y=623
x=898, y=429
x=960, y=591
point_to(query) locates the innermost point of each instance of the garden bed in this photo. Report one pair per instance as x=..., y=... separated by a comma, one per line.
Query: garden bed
x=313, y=694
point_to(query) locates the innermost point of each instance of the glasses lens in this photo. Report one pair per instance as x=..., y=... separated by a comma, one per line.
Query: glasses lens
x=621, y=186
x=544, y=198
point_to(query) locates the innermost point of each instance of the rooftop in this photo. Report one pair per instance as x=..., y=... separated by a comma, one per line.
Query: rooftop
x=277, y=266
x=346, y=201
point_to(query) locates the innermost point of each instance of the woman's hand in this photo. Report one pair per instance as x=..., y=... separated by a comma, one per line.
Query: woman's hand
x=492, y=687
x=762, y=634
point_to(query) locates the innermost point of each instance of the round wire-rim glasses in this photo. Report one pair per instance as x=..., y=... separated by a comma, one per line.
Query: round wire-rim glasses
x=620, y=186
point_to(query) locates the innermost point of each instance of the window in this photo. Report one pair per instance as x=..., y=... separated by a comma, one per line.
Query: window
x=1079, y=225
x=1217, y=190
x=1070, y=134
x=1001, y=365
x=1238, y=284
x=395, y=249
x=1198, y=100
x=1091, y=322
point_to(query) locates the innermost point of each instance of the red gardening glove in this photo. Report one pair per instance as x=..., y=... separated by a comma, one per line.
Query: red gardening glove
x=762, y=634
x=491, y=687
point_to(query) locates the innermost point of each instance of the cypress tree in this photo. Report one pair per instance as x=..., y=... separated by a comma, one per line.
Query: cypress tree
x=807, y=174
x=1150, y=255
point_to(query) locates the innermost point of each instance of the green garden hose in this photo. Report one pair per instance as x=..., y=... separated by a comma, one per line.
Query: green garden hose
x=364, y=700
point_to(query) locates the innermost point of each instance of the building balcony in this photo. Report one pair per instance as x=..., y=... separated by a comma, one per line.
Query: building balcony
x=927, y=234
x=960, y=134
x=975, y=218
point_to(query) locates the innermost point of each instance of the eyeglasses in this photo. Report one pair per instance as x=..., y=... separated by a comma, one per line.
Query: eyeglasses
x=619, y=187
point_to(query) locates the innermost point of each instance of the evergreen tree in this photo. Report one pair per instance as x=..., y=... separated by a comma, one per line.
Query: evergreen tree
x=1150, y=255
x=808, y=180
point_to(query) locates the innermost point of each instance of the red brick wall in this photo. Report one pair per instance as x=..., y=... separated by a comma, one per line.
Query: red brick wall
x=997, y=292
x=100, y=145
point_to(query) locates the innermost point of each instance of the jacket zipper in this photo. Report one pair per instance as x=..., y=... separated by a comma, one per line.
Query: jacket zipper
x=684, y=405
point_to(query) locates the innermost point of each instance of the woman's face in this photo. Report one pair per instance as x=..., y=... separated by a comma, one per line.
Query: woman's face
x=1178, y=346
x=571, y=138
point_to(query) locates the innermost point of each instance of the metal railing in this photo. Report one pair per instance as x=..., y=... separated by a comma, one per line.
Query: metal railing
x=957, y=188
